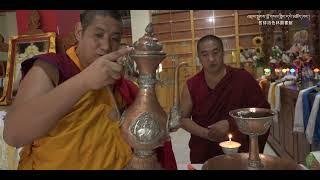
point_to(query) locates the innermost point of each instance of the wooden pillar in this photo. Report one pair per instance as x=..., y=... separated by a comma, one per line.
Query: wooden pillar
x=193, y=46
x=236, y=21
x=268, y=38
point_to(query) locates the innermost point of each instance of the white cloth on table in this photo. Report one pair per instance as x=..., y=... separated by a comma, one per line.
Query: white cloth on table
x=274, y=96
x=277, y=105
x=271, y=99
x=274, y=91
x=312, y=119
x=270, y=95
x=298, y=125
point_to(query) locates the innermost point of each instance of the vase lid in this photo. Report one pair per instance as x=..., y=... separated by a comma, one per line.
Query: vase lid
x=148, y=44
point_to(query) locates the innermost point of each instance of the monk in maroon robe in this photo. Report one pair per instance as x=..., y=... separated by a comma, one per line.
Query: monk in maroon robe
x=126, y=89
x=208, y=98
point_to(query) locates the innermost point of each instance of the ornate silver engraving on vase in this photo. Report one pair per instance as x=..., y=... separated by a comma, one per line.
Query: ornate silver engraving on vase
x=146, y=129
x=147, y=81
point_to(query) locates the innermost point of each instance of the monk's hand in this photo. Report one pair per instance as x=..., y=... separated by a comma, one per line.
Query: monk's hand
x=218, y=131
x=105, y=70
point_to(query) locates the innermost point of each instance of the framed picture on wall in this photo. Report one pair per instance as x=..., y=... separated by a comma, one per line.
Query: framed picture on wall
x=21, y=48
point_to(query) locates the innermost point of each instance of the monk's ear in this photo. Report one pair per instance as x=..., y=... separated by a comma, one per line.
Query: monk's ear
x=78, y=31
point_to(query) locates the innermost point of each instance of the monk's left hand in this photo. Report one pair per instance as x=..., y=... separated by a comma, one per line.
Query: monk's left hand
x=218, y=131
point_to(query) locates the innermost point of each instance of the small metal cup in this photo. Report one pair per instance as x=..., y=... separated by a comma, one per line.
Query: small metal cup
x=253, y=122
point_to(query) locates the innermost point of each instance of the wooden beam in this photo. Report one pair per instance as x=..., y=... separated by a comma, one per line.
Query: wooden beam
x=214, y=23
x=171, y=21
x=236, y=21
x=193, y=38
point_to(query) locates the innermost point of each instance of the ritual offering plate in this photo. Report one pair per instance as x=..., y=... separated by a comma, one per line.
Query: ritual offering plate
x=239, y=161
x=252, y=122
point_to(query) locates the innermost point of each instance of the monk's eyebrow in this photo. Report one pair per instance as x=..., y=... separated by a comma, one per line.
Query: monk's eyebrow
x=116, y=33
x=204, y=51
x=100, y=29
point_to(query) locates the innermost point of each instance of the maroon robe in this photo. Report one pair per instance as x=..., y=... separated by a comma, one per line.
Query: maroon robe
x=127, y=89
x=237, y=89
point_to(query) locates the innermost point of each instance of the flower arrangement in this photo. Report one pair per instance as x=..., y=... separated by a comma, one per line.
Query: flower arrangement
x=301, y=58
x=300, y=55
x=257, y=41
x=299, y=52
x=297, y=58
x=252, y=55
x=278, y=58
x=252, y=59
